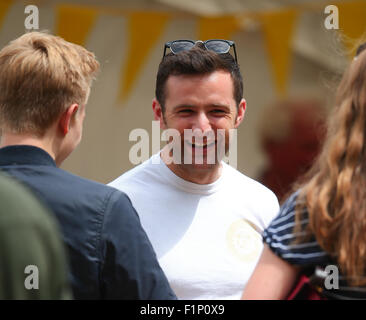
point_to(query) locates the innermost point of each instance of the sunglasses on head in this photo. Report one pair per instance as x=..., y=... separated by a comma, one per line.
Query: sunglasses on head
x=217, y=45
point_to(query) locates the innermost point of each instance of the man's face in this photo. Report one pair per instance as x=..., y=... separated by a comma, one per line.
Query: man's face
x=204, y=104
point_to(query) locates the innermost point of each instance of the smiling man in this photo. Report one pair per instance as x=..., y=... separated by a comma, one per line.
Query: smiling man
x=203, y=217
x=202, y=110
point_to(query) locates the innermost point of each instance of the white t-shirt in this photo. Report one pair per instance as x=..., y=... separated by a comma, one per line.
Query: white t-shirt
x=207, y=237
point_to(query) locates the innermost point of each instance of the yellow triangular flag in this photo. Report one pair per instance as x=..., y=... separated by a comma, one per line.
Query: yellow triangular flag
x=352, y=23
x=144, y=30
x=222, y=27
x=74, y=22
x=278, y=28
x=4, y=7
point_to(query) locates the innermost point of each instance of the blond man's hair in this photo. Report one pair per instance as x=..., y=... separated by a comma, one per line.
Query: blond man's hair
x=40, y=76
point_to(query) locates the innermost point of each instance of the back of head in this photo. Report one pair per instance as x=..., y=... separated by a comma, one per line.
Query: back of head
x=40, y=76
x=335, y=194
x=197, y=61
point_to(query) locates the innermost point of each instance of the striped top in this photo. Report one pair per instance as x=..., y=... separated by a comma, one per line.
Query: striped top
x=281, y=239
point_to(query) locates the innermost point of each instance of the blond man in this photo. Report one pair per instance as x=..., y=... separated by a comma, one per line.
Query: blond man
x=44, y=84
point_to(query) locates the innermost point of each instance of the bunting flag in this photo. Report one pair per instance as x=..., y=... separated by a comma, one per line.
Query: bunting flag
x=352, y=23
x=278, y=28
x=222, y=27
x=4, y=7
x=74, y=23
x=144, y=30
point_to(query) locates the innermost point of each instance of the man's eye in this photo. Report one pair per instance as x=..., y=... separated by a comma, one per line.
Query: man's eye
x=185, y=111
x=218, y=111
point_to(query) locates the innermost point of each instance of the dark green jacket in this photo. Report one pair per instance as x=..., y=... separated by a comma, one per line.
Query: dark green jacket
x=32, y=257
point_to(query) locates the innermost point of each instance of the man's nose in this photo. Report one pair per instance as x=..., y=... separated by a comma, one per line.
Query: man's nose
x=201, y=122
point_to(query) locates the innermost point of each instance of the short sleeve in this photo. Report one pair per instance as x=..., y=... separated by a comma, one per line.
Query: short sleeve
x=282, y=240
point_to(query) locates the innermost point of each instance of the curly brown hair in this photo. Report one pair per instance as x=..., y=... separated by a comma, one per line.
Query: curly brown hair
x=334, y=194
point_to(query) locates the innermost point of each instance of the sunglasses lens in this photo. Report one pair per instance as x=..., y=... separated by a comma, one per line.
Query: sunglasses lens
x=178, y=46
x=217, y=46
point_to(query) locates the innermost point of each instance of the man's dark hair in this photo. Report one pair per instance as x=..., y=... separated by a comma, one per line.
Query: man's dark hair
x=197, y=61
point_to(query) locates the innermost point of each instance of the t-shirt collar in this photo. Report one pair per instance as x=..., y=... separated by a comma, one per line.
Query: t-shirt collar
x=187, y=186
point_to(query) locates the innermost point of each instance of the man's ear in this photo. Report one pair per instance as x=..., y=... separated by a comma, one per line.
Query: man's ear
x=67, y=117
x=241, y=112
x=158, y=113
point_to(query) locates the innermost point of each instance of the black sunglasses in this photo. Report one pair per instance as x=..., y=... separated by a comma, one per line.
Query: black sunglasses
x=216, y=45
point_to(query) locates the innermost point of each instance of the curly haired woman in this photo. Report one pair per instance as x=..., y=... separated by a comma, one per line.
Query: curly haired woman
x=323, y=222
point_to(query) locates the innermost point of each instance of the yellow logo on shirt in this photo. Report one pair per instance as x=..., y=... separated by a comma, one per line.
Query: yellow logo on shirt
x=243, y=240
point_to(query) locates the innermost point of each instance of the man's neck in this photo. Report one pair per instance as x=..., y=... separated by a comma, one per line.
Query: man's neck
x=10, y=139
x=191, y=173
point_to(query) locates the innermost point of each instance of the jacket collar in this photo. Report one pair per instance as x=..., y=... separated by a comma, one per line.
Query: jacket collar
x=25, y=155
